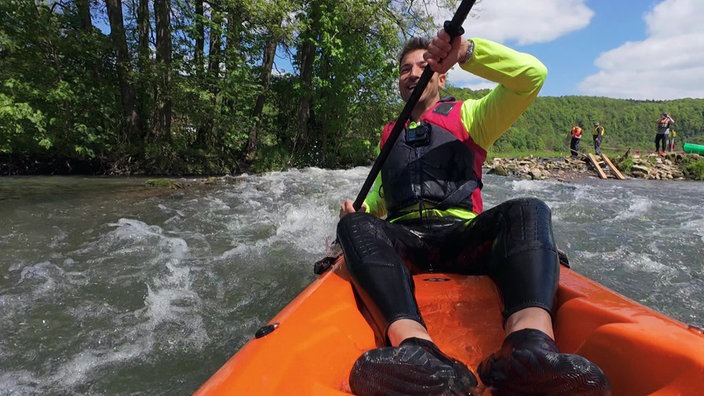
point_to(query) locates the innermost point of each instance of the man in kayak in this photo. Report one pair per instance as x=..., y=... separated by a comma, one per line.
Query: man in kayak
x=429, y=189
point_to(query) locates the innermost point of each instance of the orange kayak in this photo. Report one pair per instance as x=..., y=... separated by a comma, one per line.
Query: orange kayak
x=313, y=342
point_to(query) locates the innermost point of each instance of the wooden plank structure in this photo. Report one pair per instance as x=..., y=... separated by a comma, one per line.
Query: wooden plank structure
x=594, y=162
x=613, y=168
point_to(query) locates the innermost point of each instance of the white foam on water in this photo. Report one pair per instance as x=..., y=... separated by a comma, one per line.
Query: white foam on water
x=170, y=298
x=645, y=263
x=80, y=368
x=42, y=277
x=523, y=185
x=178, y=309
x=169, y=320
x=637, y=207
x=696, y=227
x=307, y=226
x=291, y=209
x=19, y=382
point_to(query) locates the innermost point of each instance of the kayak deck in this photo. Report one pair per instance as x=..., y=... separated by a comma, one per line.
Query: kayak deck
x=322, y=332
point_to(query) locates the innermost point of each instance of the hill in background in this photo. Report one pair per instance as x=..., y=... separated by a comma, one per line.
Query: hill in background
x=545, y=126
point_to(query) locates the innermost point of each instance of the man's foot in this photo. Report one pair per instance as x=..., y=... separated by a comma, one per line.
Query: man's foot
x=529, y=363
x=416, y=367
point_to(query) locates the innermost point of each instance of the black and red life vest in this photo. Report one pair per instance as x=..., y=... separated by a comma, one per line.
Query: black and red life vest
x=437, y=162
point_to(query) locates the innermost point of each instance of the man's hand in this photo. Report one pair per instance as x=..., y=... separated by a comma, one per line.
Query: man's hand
x=442, y=55
x=347, y=207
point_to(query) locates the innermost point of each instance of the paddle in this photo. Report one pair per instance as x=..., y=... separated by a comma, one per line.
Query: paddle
x=454, y=29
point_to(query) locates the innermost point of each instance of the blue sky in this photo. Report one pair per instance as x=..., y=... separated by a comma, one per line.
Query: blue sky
x=629, y=49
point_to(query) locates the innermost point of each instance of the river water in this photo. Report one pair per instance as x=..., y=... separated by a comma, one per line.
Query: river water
x=109, y=287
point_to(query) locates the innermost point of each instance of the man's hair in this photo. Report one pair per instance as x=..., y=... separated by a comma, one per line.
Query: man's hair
x=414, y=43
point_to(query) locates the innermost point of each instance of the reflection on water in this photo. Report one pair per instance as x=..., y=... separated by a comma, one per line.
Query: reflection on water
x=112, y=287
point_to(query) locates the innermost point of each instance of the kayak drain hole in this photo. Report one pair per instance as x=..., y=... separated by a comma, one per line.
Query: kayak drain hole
x=265, y=330
x=437, y=279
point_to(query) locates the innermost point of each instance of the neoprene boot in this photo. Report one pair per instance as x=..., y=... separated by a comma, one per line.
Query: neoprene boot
x=529, y=363
x=416, y=367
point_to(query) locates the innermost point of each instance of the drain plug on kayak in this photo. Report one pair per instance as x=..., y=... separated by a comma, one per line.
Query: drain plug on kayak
x=266, y=330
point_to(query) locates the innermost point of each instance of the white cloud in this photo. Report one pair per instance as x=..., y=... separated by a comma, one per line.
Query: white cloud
x=527, y=22
x=520, y=22
x=668, y=64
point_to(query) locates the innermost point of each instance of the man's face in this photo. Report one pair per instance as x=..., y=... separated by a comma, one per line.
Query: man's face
x=412, y=66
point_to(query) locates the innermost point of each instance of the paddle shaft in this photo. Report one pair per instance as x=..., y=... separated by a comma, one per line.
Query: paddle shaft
x=454, y=29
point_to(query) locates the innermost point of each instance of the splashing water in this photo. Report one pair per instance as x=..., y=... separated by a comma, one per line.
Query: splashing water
x=110, y=287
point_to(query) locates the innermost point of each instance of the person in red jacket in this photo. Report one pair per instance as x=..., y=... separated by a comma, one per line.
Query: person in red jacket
x=425, y=213
x=576, y=135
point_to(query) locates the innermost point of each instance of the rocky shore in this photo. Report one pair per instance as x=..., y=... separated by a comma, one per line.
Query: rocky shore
x=668, y=166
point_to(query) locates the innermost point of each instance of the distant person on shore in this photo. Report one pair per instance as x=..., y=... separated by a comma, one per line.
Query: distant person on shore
x=671, y=140
x=576, y=135
x=661, y=137
x=598, y=135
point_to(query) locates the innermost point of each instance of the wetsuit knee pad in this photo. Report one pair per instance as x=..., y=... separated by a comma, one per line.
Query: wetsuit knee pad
x=525, y=261
x=379, y=274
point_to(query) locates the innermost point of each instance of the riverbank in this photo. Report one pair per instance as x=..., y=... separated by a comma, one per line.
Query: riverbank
x=651, y=166
x=669, y=166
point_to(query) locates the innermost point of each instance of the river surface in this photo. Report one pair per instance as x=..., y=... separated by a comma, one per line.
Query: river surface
x=109, y=287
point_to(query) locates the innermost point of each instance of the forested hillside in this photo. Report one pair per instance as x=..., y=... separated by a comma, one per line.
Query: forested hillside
x=190, y=87
x=628, y=123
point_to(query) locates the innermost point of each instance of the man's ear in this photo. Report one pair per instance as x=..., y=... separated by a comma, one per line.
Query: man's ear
x=441, y=80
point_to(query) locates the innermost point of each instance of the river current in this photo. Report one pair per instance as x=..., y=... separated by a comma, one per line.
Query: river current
x=110, y=287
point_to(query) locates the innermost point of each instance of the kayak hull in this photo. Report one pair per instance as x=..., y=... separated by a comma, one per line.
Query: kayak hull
x=322, y=332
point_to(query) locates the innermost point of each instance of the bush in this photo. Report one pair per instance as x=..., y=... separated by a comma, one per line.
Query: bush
x=693, y=167
x=626, y=165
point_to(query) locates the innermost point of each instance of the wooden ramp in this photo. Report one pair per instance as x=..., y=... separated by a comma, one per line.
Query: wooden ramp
x=594, y=162
x=614, y=169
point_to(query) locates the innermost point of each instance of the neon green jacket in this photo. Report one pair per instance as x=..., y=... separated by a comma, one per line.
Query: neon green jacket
x=520, y=77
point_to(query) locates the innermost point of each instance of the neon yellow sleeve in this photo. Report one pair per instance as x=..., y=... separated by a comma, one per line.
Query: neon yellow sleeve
x=374, y=201
x=520, y=77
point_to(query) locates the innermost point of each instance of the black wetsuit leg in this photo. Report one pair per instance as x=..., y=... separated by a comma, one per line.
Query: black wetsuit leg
x=373, y=251
x=513, y=243
x=660, y=142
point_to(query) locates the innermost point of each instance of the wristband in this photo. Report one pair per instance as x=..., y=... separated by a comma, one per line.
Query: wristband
x=467, y=55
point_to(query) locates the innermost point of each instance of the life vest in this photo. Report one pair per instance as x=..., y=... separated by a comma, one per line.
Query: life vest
x=663, y=125
x=599, y=130
x=435, y=162
x=576, y=132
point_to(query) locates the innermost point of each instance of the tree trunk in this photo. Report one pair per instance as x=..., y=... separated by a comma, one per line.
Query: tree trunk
x=265, y=80
x=215, y=51
x=163, y=103
x=199, y=39
x=204, y=134
x=127, y=92
x=307, y=57
x=145, y=89
x=143, y=33
x=305, y=100
x=84, y=15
